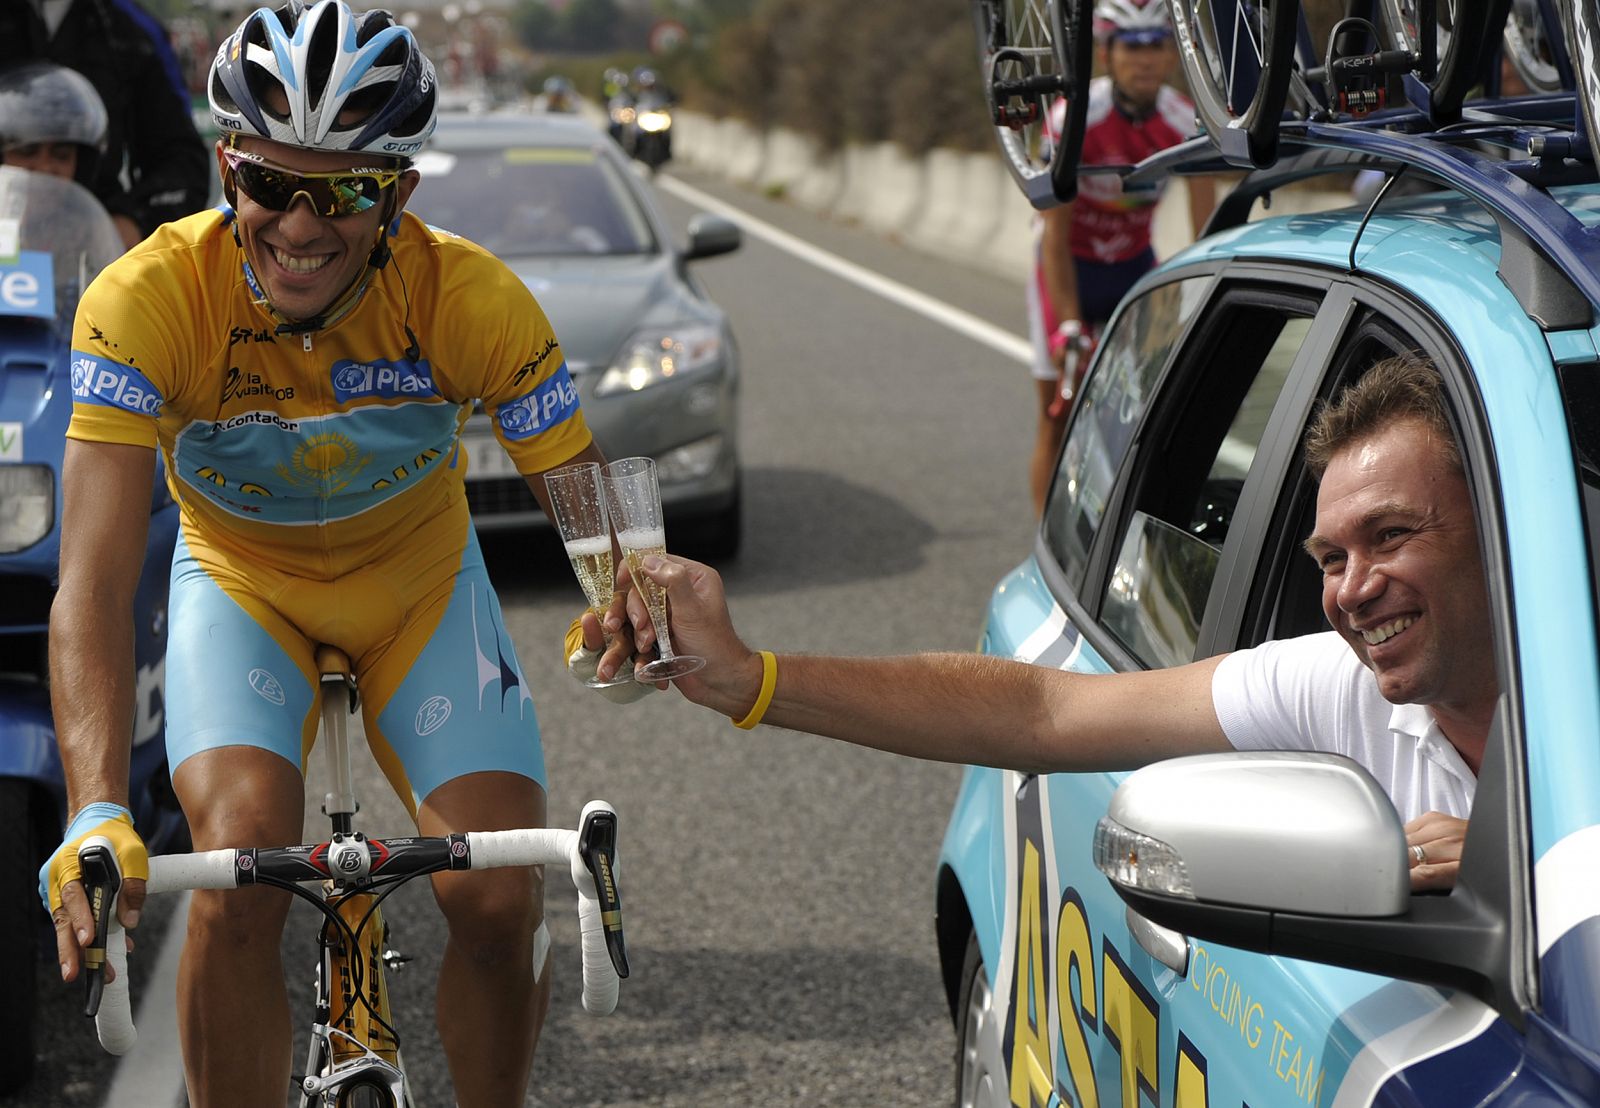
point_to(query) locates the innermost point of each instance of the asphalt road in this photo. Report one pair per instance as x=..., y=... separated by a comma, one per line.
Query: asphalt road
x=778, y=888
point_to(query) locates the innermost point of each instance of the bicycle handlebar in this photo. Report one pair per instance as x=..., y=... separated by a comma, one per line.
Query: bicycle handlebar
x=589, y=853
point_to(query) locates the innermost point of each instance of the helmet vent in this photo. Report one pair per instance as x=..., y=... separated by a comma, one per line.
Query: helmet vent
x=320, y=56
x=220, y=95
x=419, y=117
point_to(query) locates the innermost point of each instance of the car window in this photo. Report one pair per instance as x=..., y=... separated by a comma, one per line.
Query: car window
x=1112, y=404
x=530, y=201
x=1203, y=444
x=1287, y=600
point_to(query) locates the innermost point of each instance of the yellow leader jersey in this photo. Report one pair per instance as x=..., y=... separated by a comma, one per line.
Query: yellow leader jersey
x=317, y=453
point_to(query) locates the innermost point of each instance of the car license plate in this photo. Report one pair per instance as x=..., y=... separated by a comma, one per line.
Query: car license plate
x=486, y=458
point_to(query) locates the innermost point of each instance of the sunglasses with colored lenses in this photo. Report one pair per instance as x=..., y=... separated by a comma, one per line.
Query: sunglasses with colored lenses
x=343, y=192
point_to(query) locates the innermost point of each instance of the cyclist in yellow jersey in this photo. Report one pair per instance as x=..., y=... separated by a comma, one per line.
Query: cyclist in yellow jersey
x=303, y=360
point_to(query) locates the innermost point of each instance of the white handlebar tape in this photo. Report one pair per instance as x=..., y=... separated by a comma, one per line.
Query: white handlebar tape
x=523, y=846
x=114, y=1021
x=600, y=984
x=171, y=873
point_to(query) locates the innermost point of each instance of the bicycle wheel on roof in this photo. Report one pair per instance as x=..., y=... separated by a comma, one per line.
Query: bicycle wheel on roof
x=1466, y=34
x=1238, y=56
x=1580, y=22
x=1534, y=42
x=1035, y=57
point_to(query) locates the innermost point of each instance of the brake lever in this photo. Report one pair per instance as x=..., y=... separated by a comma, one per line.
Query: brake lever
x=101, y=882
x=597, y=843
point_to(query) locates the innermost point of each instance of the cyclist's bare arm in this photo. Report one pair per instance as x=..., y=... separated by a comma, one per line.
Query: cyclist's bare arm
x=946, y=707
x=106, y=490
x=590, y=453
x=1055, y=261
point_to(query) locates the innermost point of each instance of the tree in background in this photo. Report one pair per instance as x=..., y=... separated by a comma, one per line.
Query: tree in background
x=579, y=27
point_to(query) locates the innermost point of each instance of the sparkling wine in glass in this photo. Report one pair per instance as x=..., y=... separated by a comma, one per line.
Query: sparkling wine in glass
x=634, y=500
x=580, y=511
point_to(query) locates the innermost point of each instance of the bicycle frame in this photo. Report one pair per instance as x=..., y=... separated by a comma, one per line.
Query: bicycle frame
x=358, y=1046
x=354, y=1058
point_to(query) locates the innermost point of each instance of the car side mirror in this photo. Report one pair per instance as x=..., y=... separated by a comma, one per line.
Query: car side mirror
x=1302, y=855
x=1281, y=832
x=710, y=235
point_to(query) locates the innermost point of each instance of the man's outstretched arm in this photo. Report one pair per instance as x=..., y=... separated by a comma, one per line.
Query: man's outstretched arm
x=947, y=707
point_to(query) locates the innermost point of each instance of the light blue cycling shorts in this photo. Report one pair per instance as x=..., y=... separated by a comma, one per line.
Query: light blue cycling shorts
x=442, y=693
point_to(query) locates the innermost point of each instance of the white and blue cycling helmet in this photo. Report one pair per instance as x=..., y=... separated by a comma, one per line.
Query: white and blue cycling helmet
x=1134, y=21
x=323, y=77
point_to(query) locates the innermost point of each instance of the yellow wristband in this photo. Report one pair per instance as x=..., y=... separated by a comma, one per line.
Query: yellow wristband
x=769, y=682
x=574, y=641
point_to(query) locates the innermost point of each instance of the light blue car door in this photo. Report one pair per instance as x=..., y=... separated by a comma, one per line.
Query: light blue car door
x=1101, y=1007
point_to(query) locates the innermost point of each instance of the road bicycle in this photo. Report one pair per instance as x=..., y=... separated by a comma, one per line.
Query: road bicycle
x=354, y=1059
x=1252, y=64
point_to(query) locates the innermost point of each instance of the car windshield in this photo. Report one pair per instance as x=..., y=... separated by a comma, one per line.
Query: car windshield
x=532, y=201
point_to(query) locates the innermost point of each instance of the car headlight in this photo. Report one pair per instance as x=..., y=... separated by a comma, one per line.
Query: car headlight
x=27, y=505
x=651, y=357
x=654, y=121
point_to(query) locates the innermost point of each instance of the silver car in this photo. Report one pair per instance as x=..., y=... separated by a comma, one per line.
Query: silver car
x=653, y=358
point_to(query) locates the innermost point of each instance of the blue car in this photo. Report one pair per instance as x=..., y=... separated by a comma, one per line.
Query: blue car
x=1172, y=533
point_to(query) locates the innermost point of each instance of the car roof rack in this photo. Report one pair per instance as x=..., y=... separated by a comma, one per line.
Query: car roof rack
x=1504, y=155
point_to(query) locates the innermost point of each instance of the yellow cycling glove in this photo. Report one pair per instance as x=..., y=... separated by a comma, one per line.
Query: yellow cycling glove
x=112, y=822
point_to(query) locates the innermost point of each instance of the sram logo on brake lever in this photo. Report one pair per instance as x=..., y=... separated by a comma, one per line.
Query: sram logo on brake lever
x=597, y=842
x=100, y=884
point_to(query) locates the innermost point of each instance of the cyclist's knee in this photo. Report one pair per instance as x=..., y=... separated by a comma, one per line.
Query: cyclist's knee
x=243, y=918
x=240, y=796
x=492, y=912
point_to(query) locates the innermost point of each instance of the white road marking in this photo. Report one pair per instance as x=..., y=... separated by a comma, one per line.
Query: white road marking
x=151, y=1074
x=965, y=323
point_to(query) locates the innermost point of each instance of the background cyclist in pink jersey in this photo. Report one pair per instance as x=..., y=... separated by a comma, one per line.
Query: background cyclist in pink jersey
x=1092, y=250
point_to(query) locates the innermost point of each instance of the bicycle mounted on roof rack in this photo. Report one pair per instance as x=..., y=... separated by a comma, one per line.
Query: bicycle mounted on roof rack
x=1503, y=153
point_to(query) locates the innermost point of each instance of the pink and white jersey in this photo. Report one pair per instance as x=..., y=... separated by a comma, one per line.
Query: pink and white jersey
x=1109, y=225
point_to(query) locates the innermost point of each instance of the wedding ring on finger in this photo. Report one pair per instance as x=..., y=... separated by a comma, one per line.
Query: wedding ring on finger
x=1419, y=855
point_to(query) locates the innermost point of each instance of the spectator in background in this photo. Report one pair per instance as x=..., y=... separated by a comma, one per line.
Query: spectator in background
x=156, y=167
x=1092, y=250
x=51, y=121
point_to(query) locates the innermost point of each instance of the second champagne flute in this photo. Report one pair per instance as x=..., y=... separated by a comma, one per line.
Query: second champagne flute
x=580, y=512
x=634, y=499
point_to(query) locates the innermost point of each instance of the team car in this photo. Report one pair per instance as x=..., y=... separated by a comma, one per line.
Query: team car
x=1172, y=532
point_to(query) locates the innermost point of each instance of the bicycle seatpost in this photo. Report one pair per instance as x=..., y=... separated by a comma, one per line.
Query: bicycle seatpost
x=339, y=804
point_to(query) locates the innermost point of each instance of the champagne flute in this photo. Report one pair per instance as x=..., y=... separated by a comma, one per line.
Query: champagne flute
x=634, y=499
x=580, y=511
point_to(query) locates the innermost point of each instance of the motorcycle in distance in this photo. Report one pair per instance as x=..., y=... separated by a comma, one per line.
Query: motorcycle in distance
x=619, y=117
x=649, y=136
x=54, y=237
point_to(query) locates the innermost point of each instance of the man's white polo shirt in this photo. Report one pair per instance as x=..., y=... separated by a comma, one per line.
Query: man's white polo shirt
x=1313, y=693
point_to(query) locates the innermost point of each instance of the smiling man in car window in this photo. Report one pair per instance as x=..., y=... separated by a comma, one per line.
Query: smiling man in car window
x=1405, y=682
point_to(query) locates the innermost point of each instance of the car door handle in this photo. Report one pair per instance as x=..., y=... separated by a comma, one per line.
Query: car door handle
x=1165, y=945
